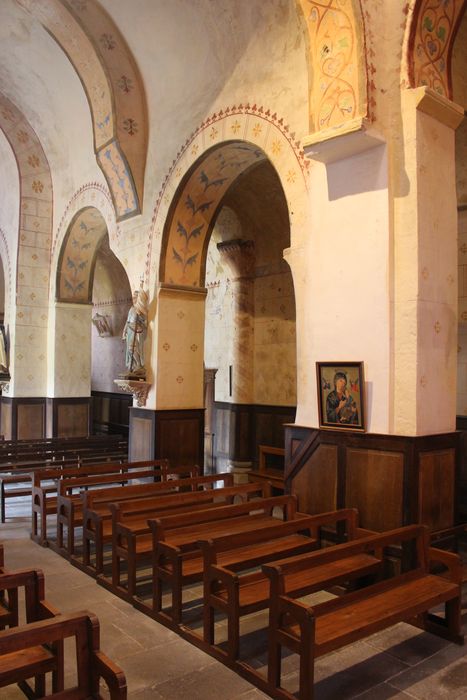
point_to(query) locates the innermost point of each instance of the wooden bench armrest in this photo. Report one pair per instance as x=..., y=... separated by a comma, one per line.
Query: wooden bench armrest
x=219, y=574
x=362, y=532
x=295, y=608
x=451, y=561
x=112, y=675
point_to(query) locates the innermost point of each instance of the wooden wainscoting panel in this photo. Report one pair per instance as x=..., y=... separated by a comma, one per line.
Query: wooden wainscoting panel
x=31, y=420
x=316, y=482
x=141, y=438
x=179, y=436
x=436, y=488
x=374, y=482
x=72, y=419
x=6, y=422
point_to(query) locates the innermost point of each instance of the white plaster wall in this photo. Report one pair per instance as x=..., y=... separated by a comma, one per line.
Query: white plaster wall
x=209, y=56
x=40, y=81
x=69, y=342
x=341, y=282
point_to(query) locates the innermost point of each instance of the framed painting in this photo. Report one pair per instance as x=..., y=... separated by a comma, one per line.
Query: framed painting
x=341, y=399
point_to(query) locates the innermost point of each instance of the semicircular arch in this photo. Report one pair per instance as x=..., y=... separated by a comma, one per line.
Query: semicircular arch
x=222, y=149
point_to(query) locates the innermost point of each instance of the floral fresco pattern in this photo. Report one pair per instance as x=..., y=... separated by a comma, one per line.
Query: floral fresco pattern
x=337, y=75
x=433, y=34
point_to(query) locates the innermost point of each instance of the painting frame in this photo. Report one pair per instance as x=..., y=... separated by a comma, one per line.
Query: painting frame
x=332, y=392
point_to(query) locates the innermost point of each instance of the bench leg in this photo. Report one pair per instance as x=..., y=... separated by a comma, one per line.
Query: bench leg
x=307, y=660
x=177, y=591
x=233, y=628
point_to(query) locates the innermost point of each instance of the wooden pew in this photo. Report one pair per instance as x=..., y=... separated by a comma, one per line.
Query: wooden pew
x=31, y=651
x=132, y=541
x=233, y=589
x=45, y=495
x=36, y=609
x=313, y=631
x=135, y=504
x=70, y=505
x=17, y=482
x=176, y=537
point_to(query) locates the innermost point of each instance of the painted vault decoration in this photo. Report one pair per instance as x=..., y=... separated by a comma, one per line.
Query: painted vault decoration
x=197, y=204
x=432, y=36
x=338, y=91
x=114, y=90
x=78, y=255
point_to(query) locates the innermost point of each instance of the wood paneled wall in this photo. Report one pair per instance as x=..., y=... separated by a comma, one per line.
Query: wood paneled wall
x=23, y=418
x=69, y=417
x=392, y=480
x=111, y=412
x=241, y=428
x=176, y=435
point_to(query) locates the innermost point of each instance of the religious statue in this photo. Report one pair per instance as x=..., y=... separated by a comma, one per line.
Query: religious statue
x=134, y=334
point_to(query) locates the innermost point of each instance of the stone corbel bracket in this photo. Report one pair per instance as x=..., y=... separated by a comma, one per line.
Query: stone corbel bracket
x=138, y=389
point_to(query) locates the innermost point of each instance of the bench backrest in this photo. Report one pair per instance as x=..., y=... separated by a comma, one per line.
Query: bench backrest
x=92, y=498
x=371, y=544
x=55, y=473
x=312, y=523
x=146, y=505
x=160, y=526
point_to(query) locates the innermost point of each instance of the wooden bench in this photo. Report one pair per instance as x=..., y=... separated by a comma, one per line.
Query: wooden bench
x=16, y=480
x=313, y=631
x=175, y=538
x=45, y=494
x=237, y=590
x=36, y=607
x=137, y=503
x=132, y=540
x=268, y=471
x=35, y=649
x=70, y=505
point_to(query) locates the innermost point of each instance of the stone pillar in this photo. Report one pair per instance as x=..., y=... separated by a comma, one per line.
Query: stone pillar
x=424, y=299
x=240, y=257
x=69, y=370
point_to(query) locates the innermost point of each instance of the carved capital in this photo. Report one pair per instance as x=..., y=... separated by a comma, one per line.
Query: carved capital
x=240, y=255
x=138, y=389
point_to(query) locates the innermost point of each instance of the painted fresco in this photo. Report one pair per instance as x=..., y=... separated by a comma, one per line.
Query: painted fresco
x=197, y=203
x=337, y=62
x=114, y=90
x=75, y=272
x=433, y=33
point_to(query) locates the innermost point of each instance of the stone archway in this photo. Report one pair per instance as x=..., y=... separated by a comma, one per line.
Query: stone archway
x=212, y=180
x=70, y=324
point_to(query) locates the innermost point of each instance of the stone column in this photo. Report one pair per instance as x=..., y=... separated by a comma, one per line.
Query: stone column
x=425, y=262
x=240, y=257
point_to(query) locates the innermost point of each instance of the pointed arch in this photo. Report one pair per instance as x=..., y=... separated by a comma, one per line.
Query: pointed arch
x=114, y=90
x=337, y=62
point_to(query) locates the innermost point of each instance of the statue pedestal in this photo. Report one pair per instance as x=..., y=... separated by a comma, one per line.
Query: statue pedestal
x=137, y=387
